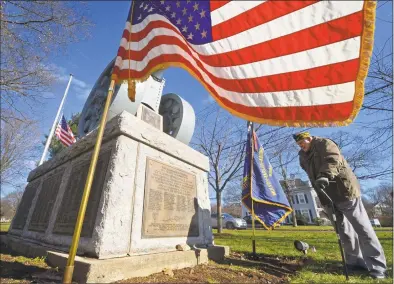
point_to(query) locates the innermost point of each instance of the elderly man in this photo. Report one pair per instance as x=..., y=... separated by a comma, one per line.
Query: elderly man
x=322, y=160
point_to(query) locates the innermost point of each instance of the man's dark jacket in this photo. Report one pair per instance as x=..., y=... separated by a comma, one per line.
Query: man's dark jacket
x=324, y=159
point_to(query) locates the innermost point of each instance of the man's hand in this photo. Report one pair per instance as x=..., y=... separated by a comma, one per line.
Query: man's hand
x=322, y=183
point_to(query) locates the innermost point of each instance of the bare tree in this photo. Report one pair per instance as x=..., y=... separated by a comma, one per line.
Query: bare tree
x=233, y=193
x=234, y=209
x=368, y=205
x=378, y=107
x=284, y=157
x=32, y=32
x=6, y=210
x=10, y=202
x=220, y=137
x=382, y=195
x=18, y=141
x=381, y=199
x=363, y=157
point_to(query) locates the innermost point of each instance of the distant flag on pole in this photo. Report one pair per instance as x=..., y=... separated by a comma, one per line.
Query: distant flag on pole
x=64, y=134
x=271, y=206
x=293, y=63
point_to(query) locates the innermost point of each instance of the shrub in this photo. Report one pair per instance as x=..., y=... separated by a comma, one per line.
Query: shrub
x=318, y=221
x=301, y=220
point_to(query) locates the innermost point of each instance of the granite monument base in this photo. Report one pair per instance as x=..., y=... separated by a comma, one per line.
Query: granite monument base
x=91, y=270
x=149, y=194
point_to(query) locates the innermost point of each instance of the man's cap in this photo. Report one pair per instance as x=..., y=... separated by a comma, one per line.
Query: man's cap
x=301, y=135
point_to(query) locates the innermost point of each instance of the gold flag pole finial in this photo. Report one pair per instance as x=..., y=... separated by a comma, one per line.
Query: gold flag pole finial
x=69, y=269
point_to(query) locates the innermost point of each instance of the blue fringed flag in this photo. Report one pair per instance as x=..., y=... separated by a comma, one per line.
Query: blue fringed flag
x=270, y=203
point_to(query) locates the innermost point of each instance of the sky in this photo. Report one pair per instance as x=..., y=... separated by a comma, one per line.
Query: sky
x=87, y=59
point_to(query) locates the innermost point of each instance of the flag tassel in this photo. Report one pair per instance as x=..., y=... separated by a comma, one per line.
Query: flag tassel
x=131, y=90
x=69, y=269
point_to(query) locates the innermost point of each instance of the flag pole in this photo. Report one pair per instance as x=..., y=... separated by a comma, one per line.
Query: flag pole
x=250, y=186
x=55, y=122
x=69, y=269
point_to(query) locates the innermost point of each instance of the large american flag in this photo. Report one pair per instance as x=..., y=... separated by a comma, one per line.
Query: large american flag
x=294, y=63
x=64, y=134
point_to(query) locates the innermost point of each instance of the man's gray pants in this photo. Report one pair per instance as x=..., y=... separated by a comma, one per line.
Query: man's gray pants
x=360, y=243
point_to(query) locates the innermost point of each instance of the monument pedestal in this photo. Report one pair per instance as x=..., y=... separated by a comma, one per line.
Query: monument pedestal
x=149, y=194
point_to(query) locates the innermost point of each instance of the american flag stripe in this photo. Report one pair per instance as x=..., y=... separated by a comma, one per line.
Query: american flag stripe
x=265, y=61
x=332, y=112
x=66, y=141
x=263, y=13
x=308, y=78
x=171, y=52
x=217, y=4
x=334, y=30
x=64, y=133
x=231, y=10
x=308, y=59
x=312, y=15
x=64, y=138
x=323, y=95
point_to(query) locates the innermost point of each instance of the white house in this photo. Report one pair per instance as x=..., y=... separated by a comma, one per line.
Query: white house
x=304, y=200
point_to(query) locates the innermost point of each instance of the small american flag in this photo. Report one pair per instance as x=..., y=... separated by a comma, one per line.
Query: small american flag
x=294, y=63
x=64, y=133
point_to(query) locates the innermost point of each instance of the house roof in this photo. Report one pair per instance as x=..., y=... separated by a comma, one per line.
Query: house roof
x=299, y=184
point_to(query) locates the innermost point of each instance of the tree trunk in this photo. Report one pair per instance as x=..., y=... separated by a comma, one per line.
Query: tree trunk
x=294, y=218
x=219, y=210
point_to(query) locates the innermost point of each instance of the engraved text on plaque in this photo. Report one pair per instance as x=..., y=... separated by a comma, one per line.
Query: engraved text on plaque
x=46, y=200
x=25, y=204
x=170, y=202
x=67, y=215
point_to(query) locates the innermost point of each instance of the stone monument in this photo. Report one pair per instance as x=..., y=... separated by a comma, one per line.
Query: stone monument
x=149, y=194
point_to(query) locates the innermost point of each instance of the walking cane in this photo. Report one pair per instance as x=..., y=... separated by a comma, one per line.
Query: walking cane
x=334, y=218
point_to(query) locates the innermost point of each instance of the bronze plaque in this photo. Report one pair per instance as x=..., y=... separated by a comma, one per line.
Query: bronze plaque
x=67, y=215
x=25, y=204
x=46, y=200
x=170, y=202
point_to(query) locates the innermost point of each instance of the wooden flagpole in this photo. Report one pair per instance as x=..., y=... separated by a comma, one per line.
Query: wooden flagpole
x=251, y=185
x=69, y=269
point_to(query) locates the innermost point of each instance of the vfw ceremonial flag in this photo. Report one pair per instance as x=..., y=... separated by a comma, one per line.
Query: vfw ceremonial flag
x=269, y=201
x=294, y=63
x=64, y=133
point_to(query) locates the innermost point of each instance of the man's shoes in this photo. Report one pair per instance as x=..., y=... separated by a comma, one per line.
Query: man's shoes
x=377, y=274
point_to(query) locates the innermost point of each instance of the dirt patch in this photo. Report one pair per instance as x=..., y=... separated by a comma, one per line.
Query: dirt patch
x=16, y=268
x=238, y=268
x=210, y=273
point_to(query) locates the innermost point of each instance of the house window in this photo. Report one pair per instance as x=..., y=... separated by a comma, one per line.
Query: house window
x=306, y=214
x=301, y=198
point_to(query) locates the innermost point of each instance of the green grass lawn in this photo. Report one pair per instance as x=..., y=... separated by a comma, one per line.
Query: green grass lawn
x=4, y=227
x=280, y=243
